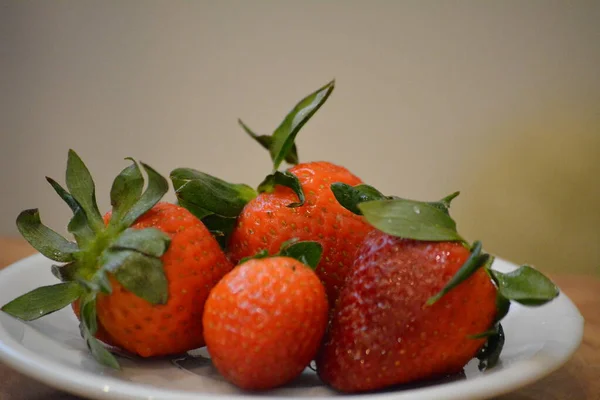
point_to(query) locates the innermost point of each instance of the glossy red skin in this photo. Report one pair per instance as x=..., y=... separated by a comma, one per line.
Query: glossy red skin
x=266, y=222
x=264, y=322
x=193, y=264
x=383, y=334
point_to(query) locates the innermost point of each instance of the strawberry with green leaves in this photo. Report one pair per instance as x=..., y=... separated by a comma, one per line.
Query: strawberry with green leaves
x=418, y=303
x=267, y=221
x=264, y=321
x=137, y=277
x=294, y=204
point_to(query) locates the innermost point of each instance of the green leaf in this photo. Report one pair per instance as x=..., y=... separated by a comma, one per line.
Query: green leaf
x=156, y=189
x=444, y=204
x=475, y=261
x=351, y=196
x=266, y=141
x=150, y=241
x=502, y=306
x=489, y=354
x=43, y=301
x=82, y=188
x=126, y=191
x=111, y=260
x=286, y=179
x=66, y=272
x=44, y=239
x=198, y=212
x=97, y=282
x=261, y=254
x=101, y=281
x=525, y=285
x=220, y=227
x=88, y=327
x=209, y=193
x=307, y=252
x=285, y=134
x=78, y=224
x=102, y=355
x=88, y=313
x=142, y=275
x=66, y=196
x=410, y=219
x=488, y=333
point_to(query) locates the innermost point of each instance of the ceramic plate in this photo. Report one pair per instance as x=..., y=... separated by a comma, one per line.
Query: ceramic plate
x=538, y=341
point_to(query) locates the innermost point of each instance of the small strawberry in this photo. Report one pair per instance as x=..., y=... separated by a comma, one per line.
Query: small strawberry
x=417, y=303
x=138, y=278
x=297, y=203
x=264, y=321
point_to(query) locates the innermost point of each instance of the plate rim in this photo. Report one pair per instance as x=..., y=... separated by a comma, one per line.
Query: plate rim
x=85, y=383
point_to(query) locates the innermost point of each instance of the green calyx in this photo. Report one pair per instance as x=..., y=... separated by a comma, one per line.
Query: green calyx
x=307, y=252
x=215, y=202
x=350, y=197
x=100, y=250
x=409, y=219
x=431, y=221
x=286, y=179
x=281, y=144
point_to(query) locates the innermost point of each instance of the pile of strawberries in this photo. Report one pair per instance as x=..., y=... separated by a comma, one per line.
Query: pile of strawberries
x=312, y=265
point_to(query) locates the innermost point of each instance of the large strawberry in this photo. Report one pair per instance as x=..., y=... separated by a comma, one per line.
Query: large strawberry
x=139, y=278
x=267, y=221
x=418, y=303
x=264, y=321
x=297, y=203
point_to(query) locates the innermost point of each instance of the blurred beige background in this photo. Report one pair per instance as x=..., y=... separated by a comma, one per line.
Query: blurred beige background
x=500, y=100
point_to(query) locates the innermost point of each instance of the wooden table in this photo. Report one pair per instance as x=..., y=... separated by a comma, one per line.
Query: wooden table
x=579, y=379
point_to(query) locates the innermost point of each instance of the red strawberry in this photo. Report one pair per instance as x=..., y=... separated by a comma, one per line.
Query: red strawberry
x=264, y=321
x=193, y=264
x=267, y=221
x=382, y=331
x=417, y=304
x=138, y=279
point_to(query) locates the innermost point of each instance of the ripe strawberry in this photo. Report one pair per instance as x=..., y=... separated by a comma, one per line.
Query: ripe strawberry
x=417, y=303
x=264, y=321
x=383, y=333
x=138, y=278
x=267, y=221
x=193, y=264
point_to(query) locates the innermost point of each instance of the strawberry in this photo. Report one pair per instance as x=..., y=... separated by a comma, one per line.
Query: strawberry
x=418, y=303
x=264, y=321
x=297, y=203
x=267, y=221
x=138, y=278
x=193, y=264
x=382, y=332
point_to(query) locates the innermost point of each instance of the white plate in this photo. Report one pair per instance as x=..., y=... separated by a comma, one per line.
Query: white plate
x=538, y=341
